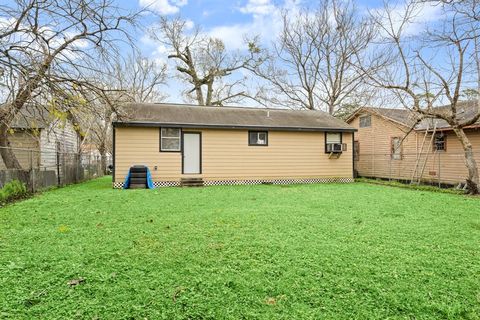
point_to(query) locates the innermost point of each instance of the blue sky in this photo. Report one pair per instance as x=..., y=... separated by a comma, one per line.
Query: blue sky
x=231, y=21
x=228, y=20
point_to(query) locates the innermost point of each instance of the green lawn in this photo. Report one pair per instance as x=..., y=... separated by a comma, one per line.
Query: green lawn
x=326, y=251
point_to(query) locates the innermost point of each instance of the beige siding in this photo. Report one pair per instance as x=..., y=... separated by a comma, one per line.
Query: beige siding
x=142, y=146
x=226, y=155
x=450, y=164
x=26, y=146
x=375, y=148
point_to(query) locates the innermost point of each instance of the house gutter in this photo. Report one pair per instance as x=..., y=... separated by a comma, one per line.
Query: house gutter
x=234, y=127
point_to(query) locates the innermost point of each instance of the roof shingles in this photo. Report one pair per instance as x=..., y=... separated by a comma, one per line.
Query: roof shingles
x=465, y=110
x=230, y=117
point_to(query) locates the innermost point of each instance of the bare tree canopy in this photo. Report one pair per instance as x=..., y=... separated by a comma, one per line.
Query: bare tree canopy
x=139, y=78
x=312, y=63
x=204, y=63
x=432, y=68
x=131, y=79
x=52, y=44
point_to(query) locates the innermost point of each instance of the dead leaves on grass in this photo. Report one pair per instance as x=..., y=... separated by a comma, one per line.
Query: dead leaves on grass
x=63, y=229
x=274, y=300
x=76, y=282
x=177, y=293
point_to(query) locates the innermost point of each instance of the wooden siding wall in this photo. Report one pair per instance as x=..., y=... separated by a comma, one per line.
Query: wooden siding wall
x=24, y=139
x=226, y=155
x=375, y=154
x=65, y=135
x=450, y=164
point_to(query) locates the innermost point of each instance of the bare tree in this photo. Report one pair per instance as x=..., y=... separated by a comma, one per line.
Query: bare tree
x=125, y=80
x=47, y=43
x=312, y=63
x=432, y=68
x=138, y=78
x=204, y=62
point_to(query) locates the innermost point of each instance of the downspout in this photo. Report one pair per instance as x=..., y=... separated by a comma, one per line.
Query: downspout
x=113, y=154
x=353, y=155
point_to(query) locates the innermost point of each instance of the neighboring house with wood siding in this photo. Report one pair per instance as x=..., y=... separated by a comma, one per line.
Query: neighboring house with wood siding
x=37, y=139
x=232, y=145
x=392, y=144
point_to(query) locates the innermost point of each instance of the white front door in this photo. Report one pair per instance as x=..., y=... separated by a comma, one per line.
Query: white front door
x=191, y=153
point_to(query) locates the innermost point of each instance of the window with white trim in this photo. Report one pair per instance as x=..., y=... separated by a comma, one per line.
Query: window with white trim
x=170, y=139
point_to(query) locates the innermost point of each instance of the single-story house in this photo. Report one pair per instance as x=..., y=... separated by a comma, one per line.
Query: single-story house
x=232, y=145
x=392, y=144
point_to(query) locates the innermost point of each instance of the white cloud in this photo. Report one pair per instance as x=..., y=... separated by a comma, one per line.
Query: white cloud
x=189, y=24
x=259, y=7
x=422, y=16
x=266, y=23
x=165, y=7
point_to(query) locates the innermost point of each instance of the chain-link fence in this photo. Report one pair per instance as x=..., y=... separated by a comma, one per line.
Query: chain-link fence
x=41, y=170
x=438, y=168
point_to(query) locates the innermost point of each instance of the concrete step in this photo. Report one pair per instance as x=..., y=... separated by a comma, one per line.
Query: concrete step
x=137, y=186
x=191, y=182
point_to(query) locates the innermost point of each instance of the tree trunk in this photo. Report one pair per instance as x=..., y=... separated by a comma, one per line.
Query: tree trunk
x=331, y=109
x=103, y=163
x=473, y=179
x=103, y=158
x=208, y=102
x=199, y=94
x=9, y=158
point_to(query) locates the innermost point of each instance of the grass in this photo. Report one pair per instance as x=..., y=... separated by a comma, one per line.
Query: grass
x=421, y=187
x=326, y=251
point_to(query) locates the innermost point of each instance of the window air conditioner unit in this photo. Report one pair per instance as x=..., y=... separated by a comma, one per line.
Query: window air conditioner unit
x=336, y=147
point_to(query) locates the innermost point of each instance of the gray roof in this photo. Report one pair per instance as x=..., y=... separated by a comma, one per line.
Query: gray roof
x=465, y=110
x=193, y=116
x=29, y=118
x=26, y=122
x=402, y=116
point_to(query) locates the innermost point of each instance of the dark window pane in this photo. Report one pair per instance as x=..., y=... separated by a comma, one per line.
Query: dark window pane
x=365, y=121
x=258, y=138
x=171, y=132
x=171, y=144
x=439, y=142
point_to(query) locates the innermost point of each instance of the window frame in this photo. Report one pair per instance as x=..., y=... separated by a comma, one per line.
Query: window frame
x=257, y=144
x=400, y=149
x=179, y=140
x=444, y=135
x=341, y=140
x=363, y=117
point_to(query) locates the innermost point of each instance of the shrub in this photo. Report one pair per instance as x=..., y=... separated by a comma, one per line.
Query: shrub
x=13, y=190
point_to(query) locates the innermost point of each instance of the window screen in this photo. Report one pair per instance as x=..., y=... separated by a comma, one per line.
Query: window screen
x=396, y=148
x=365, y=121
x=334, y=137
x=170, y=139
x=258, y=138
